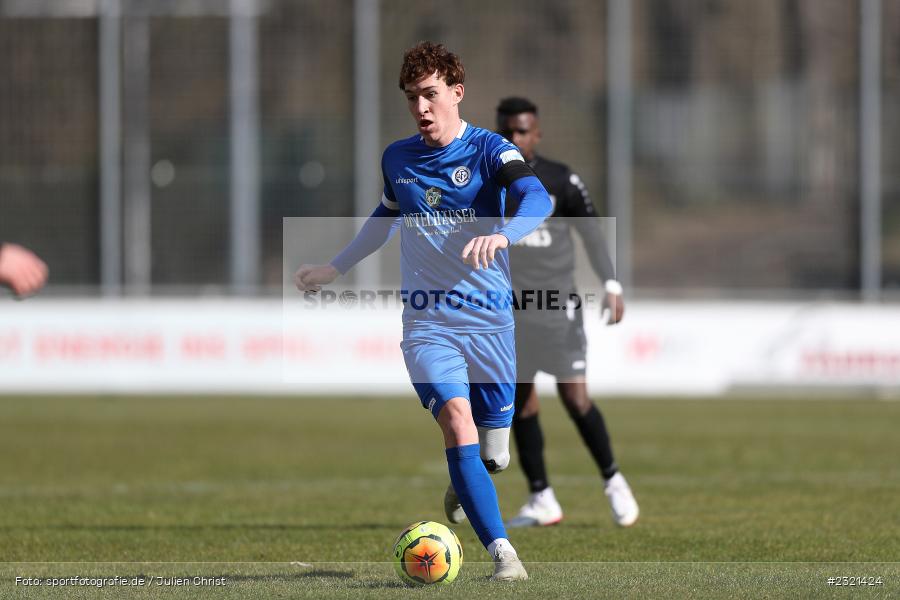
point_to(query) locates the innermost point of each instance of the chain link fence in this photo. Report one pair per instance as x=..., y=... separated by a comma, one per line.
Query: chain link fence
x=746, y=129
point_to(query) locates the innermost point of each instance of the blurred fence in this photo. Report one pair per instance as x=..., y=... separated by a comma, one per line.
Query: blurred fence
x=743, y=148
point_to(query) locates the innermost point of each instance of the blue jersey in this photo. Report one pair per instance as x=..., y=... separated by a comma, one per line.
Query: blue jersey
x=446, y=196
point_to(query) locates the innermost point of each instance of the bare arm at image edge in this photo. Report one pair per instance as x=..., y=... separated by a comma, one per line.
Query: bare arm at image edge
x=21, y=270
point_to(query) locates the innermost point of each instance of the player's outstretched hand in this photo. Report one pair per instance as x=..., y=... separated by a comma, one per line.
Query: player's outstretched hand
x=479, y=252
x=311, y=278
x=21, y=269
x=613, y=308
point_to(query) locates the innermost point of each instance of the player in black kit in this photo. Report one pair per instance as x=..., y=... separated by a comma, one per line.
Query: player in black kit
x=552, y=340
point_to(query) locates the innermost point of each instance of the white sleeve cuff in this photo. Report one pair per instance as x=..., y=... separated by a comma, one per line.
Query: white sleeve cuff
x=613, y=287
x=388, y=203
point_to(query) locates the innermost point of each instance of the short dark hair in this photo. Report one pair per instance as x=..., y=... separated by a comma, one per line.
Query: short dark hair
x=515, y=105
x=512, y=106
x=426, y=58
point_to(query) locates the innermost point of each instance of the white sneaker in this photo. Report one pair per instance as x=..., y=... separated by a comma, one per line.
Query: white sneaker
x=452, y=508
x=542, y=509
x=621, y=501
x=507, y=566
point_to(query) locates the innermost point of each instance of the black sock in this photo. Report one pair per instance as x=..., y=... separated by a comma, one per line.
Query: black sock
x=593, y=431
x=530, y=443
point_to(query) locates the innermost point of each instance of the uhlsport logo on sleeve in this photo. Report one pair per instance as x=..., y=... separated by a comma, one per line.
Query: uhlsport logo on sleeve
x=461, y=176
x=433, y=197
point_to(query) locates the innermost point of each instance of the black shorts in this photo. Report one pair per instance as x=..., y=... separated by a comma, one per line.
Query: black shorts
x=556, y=346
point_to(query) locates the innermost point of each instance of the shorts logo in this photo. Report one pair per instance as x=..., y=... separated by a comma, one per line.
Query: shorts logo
x=508, y=407
x=433, y=197
x=431, y=403
x=461, y=176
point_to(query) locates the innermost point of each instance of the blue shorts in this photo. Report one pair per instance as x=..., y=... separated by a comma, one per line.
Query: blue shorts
x=480, y=367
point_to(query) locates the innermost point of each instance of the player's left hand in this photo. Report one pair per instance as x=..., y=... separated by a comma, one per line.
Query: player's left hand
x=479, y=252
x=613, y=308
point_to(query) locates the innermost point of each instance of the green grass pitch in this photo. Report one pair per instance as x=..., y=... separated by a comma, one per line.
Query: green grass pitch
x=303, y=497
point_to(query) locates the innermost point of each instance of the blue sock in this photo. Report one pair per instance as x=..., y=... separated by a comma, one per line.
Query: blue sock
x=476, y=492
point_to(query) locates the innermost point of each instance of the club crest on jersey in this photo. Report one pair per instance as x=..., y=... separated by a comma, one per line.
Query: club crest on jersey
x=433, y=197
x=461, y=176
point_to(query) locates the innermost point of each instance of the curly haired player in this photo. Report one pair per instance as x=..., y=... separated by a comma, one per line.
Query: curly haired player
x=445, y=189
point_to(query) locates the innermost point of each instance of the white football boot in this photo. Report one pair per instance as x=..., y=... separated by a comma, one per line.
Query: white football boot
x=621, y=501
x=452, y=508
x=542, y=509
x=507, y=566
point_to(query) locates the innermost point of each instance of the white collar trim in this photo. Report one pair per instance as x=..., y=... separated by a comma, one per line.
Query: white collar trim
x=462, y=130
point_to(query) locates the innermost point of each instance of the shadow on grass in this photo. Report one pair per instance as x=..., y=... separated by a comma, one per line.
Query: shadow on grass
x=321, y=574
x=287, y=577
x=376, y=585
x=212, y=526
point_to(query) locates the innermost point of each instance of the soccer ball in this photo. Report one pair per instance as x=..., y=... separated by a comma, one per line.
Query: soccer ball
x=426, y=553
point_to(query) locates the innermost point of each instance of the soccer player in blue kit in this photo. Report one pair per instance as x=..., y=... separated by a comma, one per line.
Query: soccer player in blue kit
x=445, y=189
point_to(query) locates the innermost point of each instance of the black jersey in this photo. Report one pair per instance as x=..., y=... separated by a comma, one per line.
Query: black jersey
x=545, y=259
